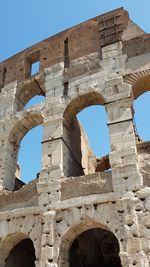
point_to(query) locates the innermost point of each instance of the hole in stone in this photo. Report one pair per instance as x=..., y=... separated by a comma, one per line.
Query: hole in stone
x=130, y=224
x=95, y=206
x=142, y=198
x=66, y=88
x=66, y=53
x=59, y=220
x=120, y=211
x=135, y=235
x=138, y=208
x=35, y=67
x=47, y=232
x=32, y=64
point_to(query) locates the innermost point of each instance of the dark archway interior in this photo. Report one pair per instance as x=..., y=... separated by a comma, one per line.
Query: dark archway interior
x=22, y=255
x=95, y=248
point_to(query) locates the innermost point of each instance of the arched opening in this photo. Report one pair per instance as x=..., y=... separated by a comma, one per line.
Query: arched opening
x=29, y=156
x=34, y=101
x=22, y=254
x=95, y=248
x=94, y=121
x=141, y=107
x=142, y=132
x=141, y=84
x=22, y=127
x=141, y=111
x=141, y=88
x=78, y=157
x=29, y=93
x=17, y=249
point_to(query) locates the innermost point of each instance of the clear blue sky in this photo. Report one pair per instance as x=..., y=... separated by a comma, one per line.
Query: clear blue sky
x=24, y=23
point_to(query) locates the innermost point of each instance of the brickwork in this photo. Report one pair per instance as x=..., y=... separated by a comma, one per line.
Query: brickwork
x=103, y=61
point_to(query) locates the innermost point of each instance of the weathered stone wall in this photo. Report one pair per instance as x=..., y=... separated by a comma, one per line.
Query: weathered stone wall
x=144, y=161
x=104, y=61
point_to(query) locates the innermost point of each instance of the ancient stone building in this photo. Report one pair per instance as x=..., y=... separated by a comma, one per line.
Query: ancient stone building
x=80, y=211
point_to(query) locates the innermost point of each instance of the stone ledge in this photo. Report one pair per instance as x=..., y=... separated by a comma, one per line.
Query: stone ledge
x=96, y=183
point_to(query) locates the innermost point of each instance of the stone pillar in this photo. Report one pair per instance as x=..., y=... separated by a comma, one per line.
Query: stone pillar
x=123, y=156
x=52, y=143
x=8, y=160
x=52, y=166
x=7, y=166
x=47, y=244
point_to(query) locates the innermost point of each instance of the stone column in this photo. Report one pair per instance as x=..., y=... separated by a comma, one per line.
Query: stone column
x=47, y=244
x=52, y=144
x=8, y=160
x=123, y=156
x=52, y=165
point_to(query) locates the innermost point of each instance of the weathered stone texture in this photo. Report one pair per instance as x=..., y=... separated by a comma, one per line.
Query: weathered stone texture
x=78, y=202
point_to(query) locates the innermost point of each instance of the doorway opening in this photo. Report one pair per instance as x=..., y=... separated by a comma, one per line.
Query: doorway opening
x=95, y=248
x=23, y=254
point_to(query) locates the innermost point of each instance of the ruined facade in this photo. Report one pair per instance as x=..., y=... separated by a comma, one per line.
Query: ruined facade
x=80, y=211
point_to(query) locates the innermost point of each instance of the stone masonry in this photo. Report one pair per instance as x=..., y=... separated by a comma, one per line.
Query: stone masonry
x=80, y=211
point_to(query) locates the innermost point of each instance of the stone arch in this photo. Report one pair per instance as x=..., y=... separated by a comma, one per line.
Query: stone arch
x=77, y=151
x=29, y=121
x=88, y=229
x=80, y=102
x=140, y=82
x=17, y=245
x=27, y=90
